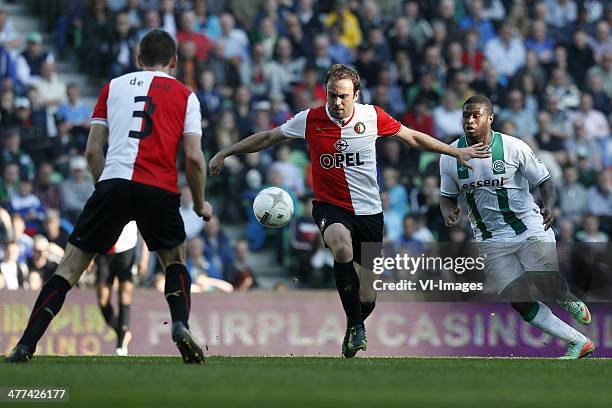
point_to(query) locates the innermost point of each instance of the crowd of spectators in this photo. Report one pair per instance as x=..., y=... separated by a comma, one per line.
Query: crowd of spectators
x=545, y=64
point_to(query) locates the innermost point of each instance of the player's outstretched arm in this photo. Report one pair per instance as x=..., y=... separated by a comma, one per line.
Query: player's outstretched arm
x=450, y=210
x=195, y=171
x=94, y=151
x=254, y=143
x=422, y=141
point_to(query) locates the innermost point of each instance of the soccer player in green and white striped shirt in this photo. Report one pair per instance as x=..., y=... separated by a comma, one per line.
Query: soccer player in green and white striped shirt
x=514, y=234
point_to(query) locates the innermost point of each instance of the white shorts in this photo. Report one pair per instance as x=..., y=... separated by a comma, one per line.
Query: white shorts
x=507, y=261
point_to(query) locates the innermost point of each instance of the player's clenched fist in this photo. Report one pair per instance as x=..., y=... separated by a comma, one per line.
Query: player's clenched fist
x=451, y=217
x=205, y=211
x=216, y=164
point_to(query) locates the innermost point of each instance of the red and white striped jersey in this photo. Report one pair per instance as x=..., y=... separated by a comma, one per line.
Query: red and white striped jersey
x=146, y=113
x=343, y=154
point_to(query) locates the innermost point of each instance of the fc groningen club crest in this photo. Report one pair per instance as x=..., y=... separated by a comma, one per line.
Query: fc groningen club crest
x=499, y=166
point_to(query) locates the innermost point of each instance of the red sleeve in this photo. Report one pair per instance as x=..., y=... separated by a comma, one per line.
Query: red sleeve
x=99, y=111
x=387, y=126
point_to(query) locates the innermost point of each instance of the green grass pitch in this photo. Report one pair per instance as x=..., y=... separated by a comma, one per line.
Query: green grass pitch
x=149, y=381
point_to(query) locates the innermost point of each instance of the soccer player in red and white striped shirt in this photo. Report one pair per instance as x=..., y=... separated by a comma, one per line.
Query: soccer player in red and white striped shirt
x=142, y=116
x=341, y=137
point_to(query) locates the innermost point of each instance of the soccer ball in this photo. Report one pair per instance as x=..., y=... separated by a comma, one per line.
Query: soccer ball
x=273, y=207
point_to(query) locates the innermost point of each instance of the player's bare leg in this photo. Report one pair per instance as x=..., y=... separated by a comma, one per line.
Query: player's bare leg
x=50, y=301
x=124, y=336
x=178, y=294
x=338, y=239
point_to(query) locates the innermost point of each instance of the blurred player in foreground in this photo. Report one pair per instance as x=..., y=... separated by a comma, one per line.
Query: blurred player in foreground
x=142, y=116
x=513, y=233
x=341, y=137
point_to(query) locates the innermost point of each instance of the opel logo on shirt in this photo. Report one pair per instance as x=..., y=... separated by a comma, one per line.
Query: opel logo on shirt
x=341, y=145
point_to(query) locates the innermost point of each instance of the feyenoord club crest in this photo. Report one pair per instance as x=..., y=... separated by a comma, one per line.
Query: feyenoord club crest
x=499, y=166
x=341, y=145
x=359, y=128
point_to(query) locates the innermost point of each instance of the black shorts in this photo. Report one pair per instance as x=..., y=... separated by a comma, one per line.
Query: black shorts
x=116, y=202
x=366, y=230
x=110, y=265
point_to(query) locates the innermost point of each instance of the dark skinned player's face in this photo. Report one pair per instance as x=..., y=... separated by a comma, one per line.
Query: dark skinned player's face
x=476, y=121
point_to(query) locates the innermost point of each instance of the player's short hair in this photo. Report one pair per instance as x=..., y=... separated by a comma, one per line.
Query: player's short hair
x=341, y=71
x=480, y=100
x=157, y=48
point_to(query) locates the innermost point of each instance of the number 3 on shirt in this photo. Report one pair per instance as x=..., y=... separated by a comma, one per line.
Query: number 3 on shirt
x=145, y=114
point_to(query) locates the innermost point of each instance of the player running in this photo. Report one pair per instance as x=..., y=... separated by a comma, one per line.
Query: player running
x=514, y=234
x=143, y=116
x=341, y=137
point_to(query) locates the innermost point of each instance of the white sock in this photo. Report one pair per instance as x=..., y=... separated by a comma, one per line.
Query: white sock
x=546, y=321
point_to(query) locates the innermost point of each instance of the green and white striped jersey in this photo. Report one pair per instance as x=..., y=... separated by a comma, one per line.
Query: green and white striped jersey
x=499, y=203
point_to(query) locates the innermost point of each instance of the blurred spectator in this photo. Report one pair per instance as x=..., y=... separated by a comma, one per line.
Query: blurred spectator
x=10, y=39
x=133, y=12
x=408, y=239
x=194, y=224
x=419, y=118
x=97, y=35
x=604, y=71
x=285, y=70
x=505, y=50
x=122, y=47
x=600, y=196
x=342, y=54
x=540, y=42
x=209, y=96
x=40, y=261
x=595, y=123
x=29, y=64
x=447, y=119
x=188, y=67
x=304, y=241
x=590, y=231
x=13, y=153
x=572, y=195
x=207, y=23
x=217, y=248
x=472, y=56
x=292, y=175
x=74, y=115
x=227, y=77
x=523, y=119
x=168, y=17
x=243, y=281
x=601, y=42
x=315, y=92
x=235, y=41
x=76, y=189
x=561, y=13
x=322, y=58
x=239, y=269
x=13, y=271
x=560, y=122
x=45, y=189
x=7, y=66
x=301, y=44
x=491, y=85
x=187, y=33
x=9, y=183
x=51, y=89
x=426, y=90
x=580, y=57
x=26, y=204
x=152, y=21
x=476, y=20
x=397, y=194
x=196, y=263
x=23, y=241
x=420, y=28
x=53, y=231
x=342, y=15
x=601, y=100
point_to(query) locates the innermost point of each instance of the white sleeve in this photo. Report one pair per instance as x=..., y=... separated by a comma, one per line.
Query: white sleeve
x=448, y=184
x=530, y=165
x=296, y=126
x=193, y=116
